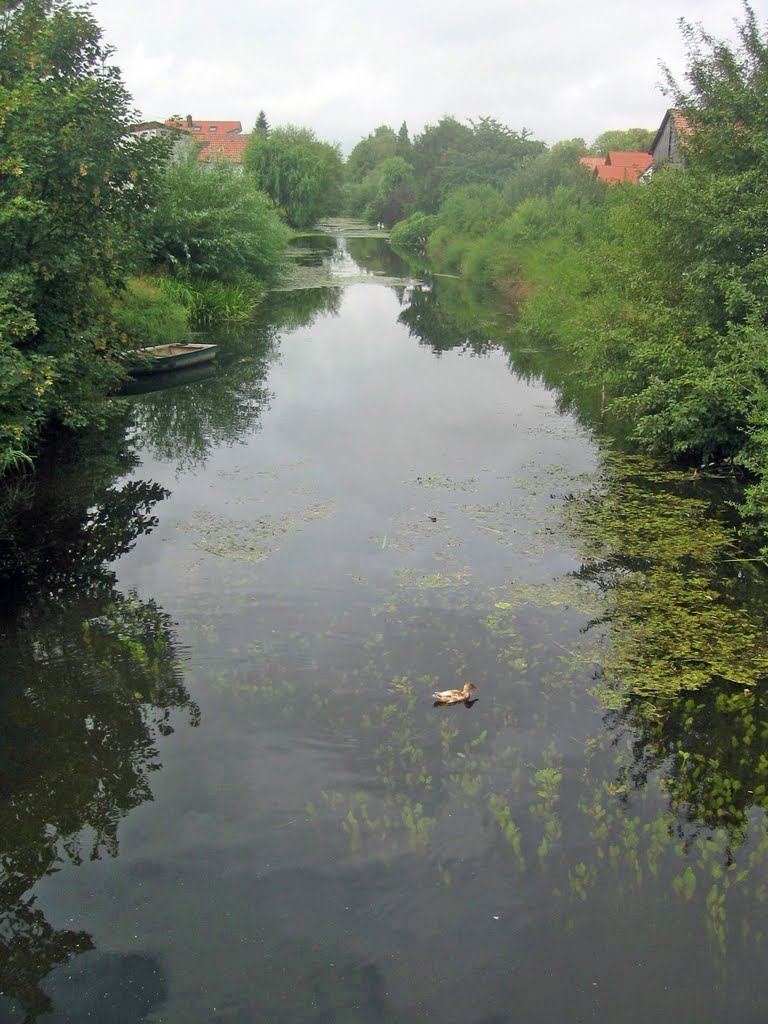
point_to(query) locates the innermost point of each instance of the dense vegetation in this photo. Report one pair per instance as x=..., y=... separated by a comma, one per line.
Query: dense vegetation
x=213, y=234
x=389, y=176
x=659, y=291
x=87, y=208
x=71, y=186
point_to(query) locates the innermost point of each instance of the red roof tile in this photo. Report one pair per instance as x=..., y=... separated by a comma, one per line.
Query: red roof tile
x=623, y=166
x=681, y=122
x=593, y=162
x=618, y=166
x=205, y=128
x=227, y=148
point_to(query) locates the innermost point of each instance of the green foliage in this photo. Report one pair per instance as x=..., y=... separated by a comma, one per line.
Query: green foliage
x=213, y=222
x=262, y=124
x=631, y=140
x=451, y=155
x=659, y=291
x=300, y=174
x=388, y=191
x=660, y=559
x=380, y=178
x=382, y=144
x=145, y=315
x=468, y=214
x=413, y=232
x=472, y=211
x=74, y=187
x=212, y=302
x=556, y=168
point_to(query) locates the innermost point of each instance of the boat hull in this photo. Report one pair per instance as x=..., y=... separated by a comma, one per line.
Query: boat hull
x=161, y=358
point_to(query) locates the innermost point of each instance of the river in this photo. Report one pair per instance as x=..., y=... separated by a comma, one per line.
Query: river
x=226, y=793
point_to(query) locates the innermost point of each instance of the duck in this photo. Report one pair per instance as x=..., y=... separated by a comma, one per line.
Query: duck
x=453, y=696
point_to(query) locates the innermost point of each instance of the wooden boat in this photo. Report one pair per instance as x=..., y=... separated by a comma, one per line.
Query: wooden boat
x=159, y=358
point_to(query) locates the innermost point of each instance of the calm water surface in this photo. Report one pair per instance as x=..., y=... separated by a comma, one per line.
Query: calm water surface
x=228, y=796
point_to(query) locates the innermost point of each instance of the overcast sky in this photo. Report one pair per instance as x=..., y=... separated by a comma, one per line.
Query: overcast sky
x=559, y=68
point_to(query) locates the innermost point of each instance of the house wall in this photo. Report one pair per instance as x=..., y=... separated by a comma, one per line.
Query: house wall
x=667, y=150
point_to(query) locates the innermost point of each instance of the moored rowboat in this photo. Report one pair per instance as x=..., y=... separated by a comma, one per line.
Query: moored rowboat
x=159, y=358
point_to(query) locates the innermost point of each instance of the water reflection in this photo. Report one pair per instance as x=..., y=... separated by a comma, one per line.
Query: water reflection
x=64, y=524
x=435, y=325
x=187, y=424
x=223, y=406
x=91, y=679
x=366, y=524
x=337, y=259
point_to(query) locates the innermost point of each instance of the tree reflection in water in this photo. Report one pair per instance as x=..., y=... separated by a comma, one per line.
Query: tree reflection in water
x=445, y=325
x=92, y=678
x=187, y=424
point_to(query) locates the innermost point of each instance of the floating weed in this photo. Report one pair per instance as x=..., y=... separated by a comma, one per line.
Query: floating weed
x=325, y=275
x=655, y=559
x=250, y=540
x=441, y=482
x=417, y=580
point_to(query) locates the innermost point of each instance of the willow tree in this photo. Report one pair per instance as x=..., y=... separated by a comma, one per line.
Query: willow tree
x=301, y=174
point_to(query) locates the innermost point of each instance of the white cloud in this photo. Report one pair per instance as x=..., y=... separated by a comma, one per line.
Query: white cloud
x=559, y=69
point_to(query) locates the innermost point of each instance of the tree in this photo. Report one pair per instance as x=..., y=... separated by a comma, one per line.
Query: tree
x=403, y=141
x=214, y=222
x=301, y=174
x=262, y=124
x=74, y=187
x=631, y=140
x=558, y=167
x=374, y=149
x=682, y=269
x=433, y=150
x=394, y=192
x=451, y=155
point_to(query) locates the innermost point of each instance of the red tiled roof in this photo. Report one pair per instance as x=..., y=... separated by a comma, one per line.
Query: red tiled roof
x=205, y=128
x=618, y=166
x=681, y=122
x=593, y=162
x=227, y=148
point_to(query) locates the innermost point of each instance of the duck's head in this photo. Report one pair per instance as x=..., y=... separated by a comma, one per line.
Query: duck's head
x=468, y=687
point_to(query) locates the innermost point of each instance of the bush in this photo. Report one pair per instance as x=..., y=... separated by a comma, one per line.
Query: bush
x=413, y=232
x=211, y=221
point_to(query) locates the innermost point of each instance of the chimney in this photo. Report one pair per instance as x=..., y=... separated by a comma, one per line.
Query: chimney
x=189, y=120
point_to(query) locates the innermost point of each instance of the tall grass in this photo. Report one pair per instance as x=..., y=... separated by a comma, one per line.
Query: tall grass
x=213, y=302
x=144, y=314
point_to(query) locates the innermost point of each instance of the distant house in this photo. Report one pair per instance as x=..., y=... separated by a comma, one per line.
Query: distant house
x=593, y=162
x=148, y=128
x=217, y=140
x=229, y=148
x=618, y=167
x=181, y=140
x=668, y=148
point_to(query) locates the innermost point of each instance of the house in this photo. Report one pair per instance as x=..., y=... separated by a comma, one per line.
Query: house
x=181, y=140
x=668, y=148
x=217, y=140
x=618, y=167
x=227, y=148
x=146, y=129
x=205, y=129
